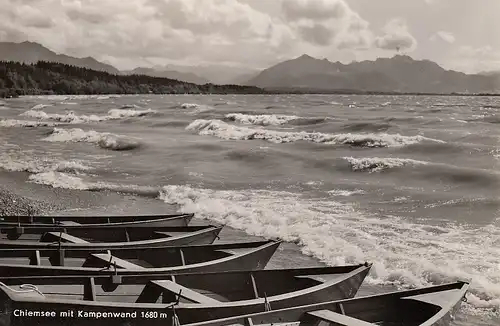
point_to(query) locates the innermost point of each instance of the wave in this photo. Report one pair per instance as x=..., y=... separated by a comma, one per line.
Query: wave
x=197, y=108
x=16, y=161
x=272, y=119
x=72, y=118
x=224, y=130
x=377, y=164
x=63, y=180
x=128, y=113
x=434, y=172
x=12, y=123
x=404, y=253
x=40, y=106
x=345, y=193
x=261, y=120
x=367, y=126
x=103, y=140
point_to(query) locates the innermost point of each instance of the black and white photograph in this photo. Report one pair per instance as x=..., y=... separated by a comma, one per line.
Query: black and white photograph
x=249, y=162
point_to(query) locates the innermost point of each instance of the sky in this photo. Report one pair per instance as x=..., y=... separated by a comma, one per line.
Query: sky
x=458, y=34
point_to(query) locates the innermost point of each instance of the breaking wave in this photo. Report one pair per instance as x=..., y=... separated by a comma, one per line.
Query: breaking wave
x=377, y=164
x=404, y=253
x=345, y=193
x=16, y=161
x=103, y=140
x=197, y=108
x=271, y=119
x=12, y=123
x=40, y=106
x=72, y=118
x=261, y=120
x=224, y=130
x=64, y=180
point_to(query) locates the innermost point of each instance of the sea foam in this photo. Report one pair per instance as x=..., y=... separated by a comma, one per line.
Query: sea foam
x=377, y=164
x=404, y=253
x=72, y=118
x=224, y=130
x=102, y=139
x=13, y=123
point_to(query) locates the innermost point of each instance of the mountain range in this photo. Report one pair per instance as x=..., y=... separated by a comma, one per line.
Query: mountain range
x=400, y=73
x=30, y=52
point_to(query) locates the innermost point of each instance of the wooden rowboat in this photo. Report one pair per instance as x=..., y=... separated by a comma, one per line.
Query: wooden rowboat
x=431, y=306
x=193, y=297
x=99, y=238
x=139, y=220
x=159, y=260
x=96, y=221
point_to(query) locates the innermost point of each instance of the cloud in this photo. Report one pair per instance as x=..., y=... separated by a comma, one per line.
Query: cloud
x=396, y=37
x=126, y=30
x=326, y=23
x=475, y=59
x=443, y=36
x=479, y=52
x=130, y=33
x=322, y=10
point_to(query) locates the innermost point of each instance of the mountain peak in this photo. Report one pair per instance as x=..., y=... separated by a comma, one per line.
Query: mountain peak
x=403, y=57
x=32, y=44
x=305, y=57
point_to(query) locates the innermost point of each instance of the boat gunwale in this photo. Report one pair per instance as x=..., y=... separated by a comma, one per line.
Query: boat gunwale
x=462, y=288
x=15, y=244
x=359, y=269
x=12, y=225
x=222, y=246
x=151, y=270
x=90, y=217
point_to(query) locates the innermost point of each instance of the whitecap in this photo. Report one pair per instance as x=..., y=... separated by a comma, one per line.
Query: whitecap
x=224, y=130
x=102, y=139
x=404, y=253
x=377, y=164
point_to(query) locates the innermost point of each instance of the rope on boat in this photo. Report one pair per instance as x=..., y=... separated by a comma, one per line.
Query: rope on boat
x=267, y=305
x=111, y=263
x=175, y=318
x=29, y=288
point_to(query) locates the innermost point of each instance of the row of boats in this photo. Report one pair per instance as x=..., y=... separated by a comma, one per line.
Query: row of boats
x=153, y=270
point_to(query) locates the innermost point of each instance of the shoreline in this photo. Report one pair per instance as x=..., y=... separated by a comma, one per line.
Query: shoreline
x=45, y=200
x=12, y=94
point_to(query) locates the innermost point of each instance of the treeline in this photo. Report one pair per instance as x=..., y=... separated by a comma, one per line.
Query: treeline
x=51, y=78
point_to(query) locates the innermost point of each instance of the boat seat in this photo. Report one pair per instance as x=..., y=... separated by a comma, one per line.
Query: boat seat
x=316, y=278
x=186, y=293
x=68, y=223
x=337, y=319
x=55, y=236
x=227, y=251
x=121, y=263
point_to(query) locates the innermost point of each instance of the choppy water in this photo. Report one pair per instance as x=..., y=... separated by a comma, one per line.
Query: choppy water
x=409, y=183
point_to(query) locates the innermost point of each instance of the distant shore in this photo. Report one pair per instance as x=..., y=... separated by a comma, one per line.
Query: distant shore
x=49, y=78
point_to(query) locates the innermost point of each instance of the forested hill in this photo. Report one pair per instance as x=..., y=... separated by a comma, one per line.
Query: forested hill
x=49, y=78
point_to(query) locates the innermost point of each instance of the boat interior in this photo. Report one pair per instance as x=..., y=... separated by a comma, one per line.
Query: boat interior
x=127, y=258
x=188, y=288
x=90, y=234
x=405, y=308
